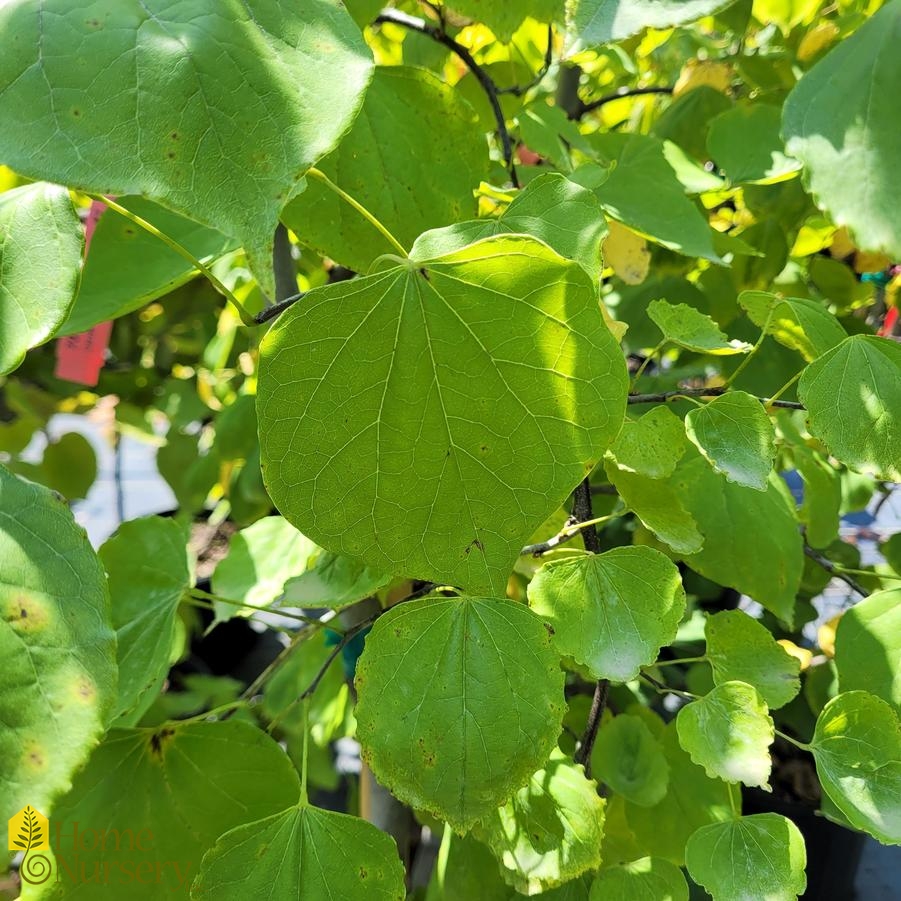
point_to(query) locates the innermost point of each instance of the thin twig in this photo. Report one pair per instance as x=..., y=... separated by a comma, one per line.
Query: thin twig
x=665, y=689
x=517, y=90
x=586, y=743
x=834, y=571
x=277, y=308
x=662, y=397
x=437, y=33
x=584, y=514
x=585, y=108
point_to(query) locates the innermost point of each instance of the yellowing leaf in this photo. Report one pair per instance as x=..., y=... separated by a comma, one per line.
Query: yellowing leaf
x=842, y=244
x=709, y=73
x=826, y=636
x=627, y=253
x=800, y=654
x=816, y=40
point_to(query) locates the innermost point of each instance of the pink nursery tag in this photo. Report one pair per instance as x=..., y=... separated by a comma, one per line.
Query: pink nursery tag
x=79, y=358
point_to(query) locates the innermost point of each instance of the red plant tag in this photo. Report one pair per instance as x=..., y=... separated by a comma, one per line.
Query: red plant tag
x=79, y=358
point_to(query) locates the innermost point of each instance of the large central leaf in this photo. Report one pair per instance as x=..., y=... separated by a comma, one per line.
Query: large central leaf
x=215, y=108
x=428, y=419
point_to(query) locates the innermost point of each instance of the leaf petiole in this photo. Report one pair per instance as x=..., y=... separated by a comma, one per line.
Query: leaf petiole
x=202, y=268
x=313, y=172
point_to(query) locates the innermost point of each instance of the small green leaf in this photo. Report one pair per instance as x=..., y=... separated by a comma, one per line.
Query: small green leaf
x=458, y=727
x=745, y=143
x=735, y=434
x=659, y=507
x=642, y=191
x=685, y=326
x=759, y=856
x=163, y=794
x=651, y=445
x=799, y=323
x=594, y=22
x=302, y=853
x=612, y=612
x=839, y=121
x=566, y=216
x=550, y=831
x=41, y=242
x=147, y=565
x=629, y=759
x=260, y=560
x=480, y=382
x=692, y=800
x=225, y=139
x=741, y=649
x=412, y=158
x=729, y=732
x=853, y=398
x=857, y=748
x=58, y=678
x=334, y=581
x=868, y=646
x=648, y=878
x=128, y=267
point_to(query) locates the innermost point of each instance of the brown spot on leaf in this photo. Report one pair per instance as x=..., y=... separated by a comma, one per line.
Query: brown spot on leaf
x=158, y=739
x=27, y=612
x=363, y=873
x=474, y=543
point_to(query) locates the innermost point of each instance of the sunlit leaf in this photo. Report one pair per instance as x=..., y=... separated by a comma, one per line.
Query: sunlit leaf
x=729, y=732
x=214, y=111
x=759, y=856
x=857, y=748
x=482, y=381
x=611, y=612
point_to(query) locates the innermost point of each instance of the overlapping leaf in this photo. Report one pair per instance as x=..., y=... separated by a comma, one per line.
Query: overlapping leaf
x=729, y=732
x=58, y=679
x=214, y=109
x=163, y=794
x=739, y=648
x=735, y=434
x=147, y=565
x=302, y=853
x=802, y=324
x=128, y=267
x=412, y=157
x=651, y=878
x=853, y=398
x=611, y=612
x=838, y=122
x=564, y=215
x=692, y=800
x=260, y=560
x=428, y=419
x=857, y=748
x=40, y=259
x=760, y=856
x=593, y=22
x=550, y=831
x=630, y=760
x=868, y=646
x=456, y=727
